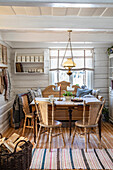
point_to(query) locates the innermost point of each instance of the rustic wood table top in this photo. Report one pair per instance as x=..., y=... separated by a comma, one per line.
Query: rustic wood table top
x=66, y=103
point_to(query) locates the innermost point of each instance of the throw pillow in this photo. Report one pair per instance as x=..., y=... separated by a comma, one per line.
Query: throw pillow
x=30, y=98
x=36, y=93
x=32, y=93
x=84, y=87
x=39, y=92
x=95, y=92
x=82, y=92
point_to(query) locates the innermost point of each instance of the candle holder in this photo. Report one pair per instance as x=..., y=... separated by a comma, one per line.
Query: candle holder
x=59, y=99
x=60, y=94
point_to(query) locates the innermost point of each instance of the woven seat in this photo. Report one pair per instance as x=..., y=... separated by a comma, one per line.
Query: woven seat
x=95, y=111
x=46, y=122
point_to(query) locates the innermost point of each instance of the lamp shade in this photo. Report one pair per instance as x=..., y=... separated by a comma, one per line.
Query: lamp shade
x=69, y=63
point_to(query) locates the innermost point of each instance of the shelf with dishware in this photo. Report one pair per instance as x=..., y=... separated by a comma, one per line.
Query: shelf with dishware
x=29, y=63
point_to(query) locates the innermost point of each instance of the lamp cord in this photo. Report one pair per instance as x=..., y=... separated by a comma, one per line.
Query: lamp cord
x=69, y=43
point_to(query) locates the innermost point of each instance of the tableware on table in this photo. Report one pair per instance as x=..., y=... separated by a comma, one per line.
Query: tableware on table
x=77, y=100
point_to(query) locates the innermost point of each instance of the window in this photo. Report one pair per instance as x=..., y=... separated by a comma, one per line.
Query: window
x=83, y=59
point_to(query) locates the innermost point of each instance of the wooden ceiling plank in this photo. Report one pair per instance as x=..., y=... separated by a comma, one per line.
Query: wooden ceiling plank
x=6, y=10
x=72, y=11
x=46, y=10
x=87, y=11
x=34, y=11
x=104, y=12
x=98, y=11
x=108, y=12
x=59, y=11
x=19, y=10
x=40, y=10
x=79, y=12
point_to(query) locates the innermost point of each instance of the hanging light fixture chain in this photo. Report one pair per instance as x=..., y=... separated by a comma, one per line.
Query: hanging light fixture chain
x=65, y=51
x=70, y=62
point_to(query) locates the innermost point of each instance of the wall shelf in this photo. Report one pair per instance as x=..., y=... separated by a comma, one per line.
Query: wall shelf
x=27, y=73
x=29, y=64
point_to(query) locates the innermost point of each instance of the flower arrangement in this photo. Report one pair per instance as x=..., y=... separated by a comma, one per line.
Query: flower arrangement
x=68, y=93
x=110, y=50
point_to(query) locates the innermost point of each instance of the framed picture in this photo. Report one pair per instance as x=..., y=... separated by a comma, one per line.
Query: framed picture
x=4, y=52
x=1, y=53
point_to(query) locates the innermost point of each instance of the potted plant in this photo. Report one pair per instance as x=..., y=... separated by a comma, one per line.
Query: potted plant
x=110, y=50
x=105, y=114
x=68, y=95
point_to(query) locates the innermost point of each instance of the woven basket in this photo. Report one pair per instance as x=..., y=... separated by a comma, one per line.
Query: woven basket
x=17, y=160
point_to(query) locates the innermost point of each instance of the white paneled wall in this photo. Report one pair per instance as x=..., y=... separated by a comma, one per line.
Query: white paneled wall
x=21, y=83
x=4, y=105
x=101, y=72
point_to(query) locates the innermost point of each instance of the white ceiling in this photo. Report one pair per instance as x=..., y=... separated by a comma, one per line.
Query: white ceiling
x=45, y=23
x=55, y=11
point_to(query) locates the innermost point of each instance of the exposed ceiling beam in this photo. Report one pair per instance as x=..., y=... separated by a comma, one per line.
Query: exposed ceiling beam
x=55, y=23
x=34, y=45
x=58, y=3
x=57, y=37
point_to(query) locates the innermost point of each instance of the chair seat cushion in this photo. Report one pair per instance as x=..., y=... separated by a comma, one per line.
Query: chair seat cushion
x=80, y=124
x=55, y=124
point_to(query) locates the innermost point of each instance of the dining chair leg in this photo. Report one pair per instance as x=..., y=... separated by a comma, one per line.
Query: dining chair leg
x=39, y=134
x=62, y=136
x=85, y=131
x=73, y=135
x=32, y=124
x=35, y=126
x=98, y=136
x=88, y=136
x=47, y=135
x=24, y=126
x=28, y=121
x=50, y=139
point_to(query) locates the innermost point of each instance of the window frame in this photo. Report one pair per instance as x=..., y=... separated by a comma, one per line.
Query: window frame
x=75, y=69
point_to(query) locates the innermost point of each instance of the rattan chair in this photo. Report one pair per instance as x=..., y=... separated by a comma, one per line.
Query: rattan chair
x=29, y=118
x=91, y=121
x=47, y=122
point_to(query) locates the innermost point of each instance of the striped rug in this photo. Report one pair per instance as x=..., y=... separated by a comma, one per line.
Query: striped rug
x=72, y=159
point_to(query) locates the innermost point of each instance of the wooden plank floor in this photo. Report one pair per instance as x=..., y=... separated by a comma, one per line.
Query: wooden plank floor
x=107, y=138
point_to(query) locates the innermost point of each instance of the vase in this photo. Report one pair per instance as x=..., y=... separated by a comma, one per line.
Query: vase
x=68, y=98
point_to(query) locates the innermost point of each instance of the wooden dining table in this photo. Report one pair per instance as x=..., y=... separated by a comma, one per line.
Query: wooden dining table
x=70, y=105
